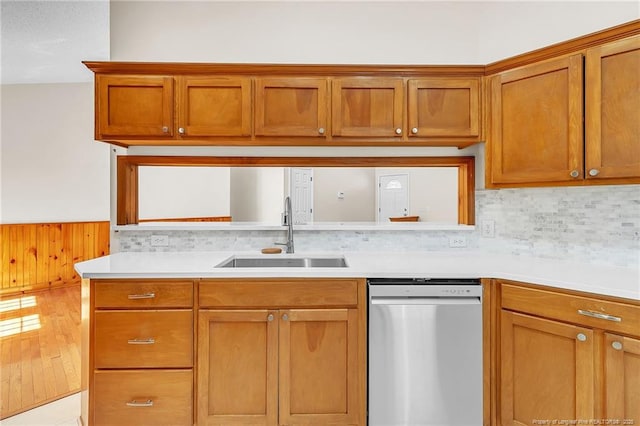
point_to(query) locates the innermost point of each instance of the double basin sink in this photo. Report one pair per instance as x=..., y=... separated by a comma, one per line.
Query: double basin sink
x=284, y=262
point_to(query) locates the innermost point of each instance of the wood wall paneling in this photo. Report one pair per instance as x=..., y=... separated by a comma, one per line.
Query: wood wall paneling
x=41, y=255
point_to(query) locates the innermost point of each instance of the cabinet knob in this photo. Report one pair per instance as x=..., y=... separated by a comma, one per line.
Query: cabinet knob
x=574, y=173
x=414, y=130
x=270, y=317
x=321, y=130
x=581, y=337
x=594, y=172
x=616, y=345
x=165, y=129
x=398, y=131
x=181, y=130
x=285, y=317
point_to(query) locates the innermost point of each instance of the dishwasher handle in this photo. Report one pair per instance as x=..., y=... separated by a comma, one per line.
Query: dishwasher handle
x=425, y=300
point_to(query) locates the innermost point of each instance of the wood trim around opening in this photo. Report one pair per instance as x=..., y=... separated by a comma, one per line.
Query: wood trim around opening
x=127, y=186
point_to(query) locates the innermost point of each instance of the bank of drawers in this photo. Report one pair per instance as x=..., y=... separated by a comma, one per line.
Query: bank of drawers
x=142, y=336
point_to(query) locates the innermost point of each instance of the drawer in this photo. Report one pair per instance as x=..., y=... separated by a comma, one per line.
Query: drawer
x=278, y=293
x=141, y=398
x=136, y=339
x=582, y=310
x=143, y=294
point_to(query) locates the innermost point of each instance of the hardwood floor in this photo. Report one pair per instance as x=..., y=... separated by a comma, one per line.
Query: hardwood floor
x=39, y=348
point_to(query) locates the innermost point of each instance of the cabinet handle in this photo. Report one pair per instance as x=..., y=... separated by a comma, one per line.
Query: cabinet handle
x=181, y=130
x=599, y=315
x=594, y=172
x=616, y=345
x=149, y=341
x=574, y=173
x=285, y=317
x=165, y=129
x=414, y=130
x=398, y=131
x=134, y=403
x=321, y=130
x=142, y=296
x=270, y=317
x=581, y=337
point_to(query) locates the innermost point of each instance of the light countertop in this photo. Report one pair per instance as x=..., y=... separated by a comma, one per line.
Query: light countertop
x=602, y=280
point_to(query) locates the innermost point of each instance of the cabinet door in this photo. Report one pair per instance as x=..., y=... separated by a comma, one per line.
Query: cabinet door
x=318, y=367
x=134, y=106
x=214, y=106
x=444, y=107
x=367, y=107
x=546, y=370
x=622, y=378
x=237, y=367
x=291, y=107
x=536, y=123
x=612, y=92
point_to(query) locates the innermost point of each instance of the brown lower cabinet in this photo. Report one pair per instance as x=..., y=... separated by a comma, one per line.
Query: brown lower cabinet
x=566, y=358
x=224, y=352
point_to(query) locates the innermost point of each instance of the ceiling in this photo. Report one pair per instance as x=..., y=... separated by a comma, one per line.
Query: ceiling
x=45, y=41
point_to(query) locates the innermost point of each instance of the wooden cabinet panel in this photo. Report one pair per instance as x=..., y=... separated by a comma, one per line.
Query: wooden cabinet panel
x=367, y=107
x=318, y=367
x=444, y=107
x=143, y=294
x=134, y=106
x=214, y=106
x=143, y=398
x=291, y=107
x=624, y=318
x=137, y=339
x=279, y=292
x=547, y=370
x=622, y=378
x=612, y=98
x=238, y=367
x=536, y=123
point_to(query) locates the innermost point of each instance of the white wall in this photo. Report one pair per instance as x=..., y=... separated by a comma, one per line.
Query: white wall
x=50, y=167
x=52, y=170
x=173, y=192
x=404, y=32
x=358, y=186
x=257, y=194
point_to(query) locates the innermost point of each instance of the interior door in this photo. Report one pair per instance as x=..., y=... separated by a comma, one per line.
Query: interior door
x=302, y=195
x=393, y=196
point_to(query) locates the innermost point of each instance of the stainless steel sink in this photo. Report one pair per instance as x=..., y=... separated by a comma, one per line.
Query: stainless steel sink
x=284, y=262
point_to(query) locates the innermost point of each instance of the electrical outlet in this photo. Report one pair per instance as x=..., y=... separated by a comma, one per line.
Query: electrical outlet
x=457, y=242
x=488, y=228
x=159, y=240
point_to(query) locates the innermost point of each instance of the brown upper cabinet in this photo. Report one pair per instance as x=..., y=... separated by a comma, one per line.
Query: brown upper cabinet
x=214, y=106
x=367, y=107
x=287, y=105
x=134, y=107
x=149, y=108
x=612, y=100
x=291, y=107
x=567, y=121
x=444, y=107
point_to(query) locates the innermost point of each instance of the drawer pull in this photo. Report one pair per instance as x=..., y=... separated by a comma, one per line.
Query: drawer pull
x=598, y=315
x=142, y=296
x=134, y=403
x=149, y=341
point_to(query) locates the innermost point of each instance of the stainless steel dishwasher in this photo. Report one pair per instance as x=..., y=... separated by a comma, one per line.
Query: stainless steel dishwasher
x=425, y=352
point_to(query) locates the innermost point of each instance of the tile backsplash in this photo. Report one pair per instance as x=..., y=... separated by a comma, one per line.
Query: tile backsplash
x=598, y=224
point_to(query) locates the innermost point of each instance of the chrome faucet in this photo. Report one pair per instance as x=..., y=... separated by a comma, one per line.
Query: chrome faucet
x=287, y=219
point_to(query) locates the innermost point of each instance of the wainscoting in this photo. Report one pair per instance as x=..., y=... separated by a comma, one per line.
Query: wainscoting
x=41, y=255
